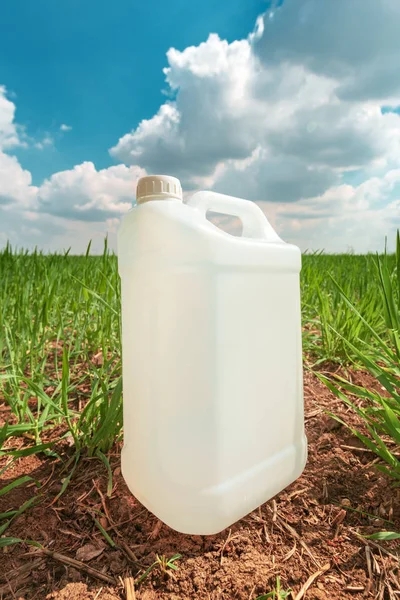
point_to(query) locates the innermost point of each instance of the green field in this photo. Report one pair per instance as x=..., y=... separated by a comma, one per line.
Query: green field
x=59, y=312
x=61, y=395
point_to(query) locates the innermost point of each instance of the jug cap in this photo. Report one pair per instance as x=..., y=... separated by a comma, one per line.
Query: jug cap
x=157, y=187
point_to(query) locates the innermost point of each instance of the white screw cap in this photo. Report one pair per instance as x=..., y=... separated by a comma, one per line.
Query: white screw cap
x=157, y=187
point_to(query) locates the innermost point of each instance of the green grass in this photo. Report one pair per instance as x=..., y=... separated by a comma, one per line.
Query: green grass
x=324, y=312
x=60, y=362
x=380, y=411
x=276, y=594
x=60, y=355
x=60, y=352
x=164, y=564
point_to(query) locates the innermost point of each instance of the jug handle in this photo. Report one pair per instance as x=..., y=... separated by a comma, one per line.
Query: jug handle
x=255, y=223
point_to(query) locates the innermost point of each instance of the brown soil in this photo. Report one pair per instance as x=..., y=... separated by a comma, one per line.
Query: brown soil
x=310, y=530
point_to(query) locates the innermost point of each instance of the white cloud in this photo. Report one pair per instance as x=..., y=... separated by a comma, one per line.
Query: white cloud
x=85, y=194
x=45, y=143
x=69, y=208
x=28, y=230
x=20, y=230
x=9, y=135
x=230, y=104
x=15, y=184
x=81, y=193
x=285, y=117
x=16, y=190
x=275, y=178
x=357, y=216
x=355, y=41
x=209, y=121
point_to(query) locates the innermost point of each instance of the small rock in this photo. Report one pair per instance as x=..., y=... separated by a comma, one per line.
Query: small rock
x=346, y=502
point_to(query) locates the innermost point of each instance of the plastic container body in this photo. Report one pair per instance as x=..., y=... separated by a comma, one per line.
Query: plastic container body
x=212, y=362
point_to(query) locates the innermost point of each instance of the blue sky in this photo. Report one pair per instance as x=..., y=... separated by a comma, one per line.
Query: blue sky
x=96, y=65
x=292, y=104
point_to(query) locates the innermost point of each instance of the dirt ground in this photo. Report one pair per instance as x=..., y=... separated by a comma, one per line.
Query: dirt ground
x=309, y=535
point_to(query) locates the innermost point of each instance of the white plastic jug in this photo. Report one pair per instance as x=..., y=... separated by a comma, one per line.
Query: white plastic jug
x=212, y=358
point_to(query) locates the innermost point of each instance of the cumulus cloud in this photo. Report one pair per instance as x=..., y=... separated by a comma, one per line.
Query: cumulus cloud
x=354, y=216
x=285, y=117
x=9, y=136
x=276, y=178
x=81, y=194
x=207, y=123
x=15, y=184
x=235, y=100
x=65, y=127
x=69, y=208
x=356, y=42
x=85, y=194
x=349, y=200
